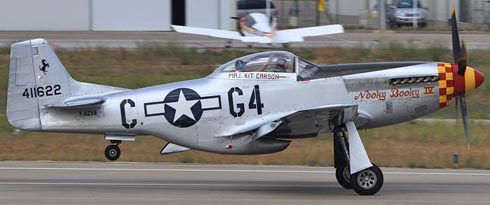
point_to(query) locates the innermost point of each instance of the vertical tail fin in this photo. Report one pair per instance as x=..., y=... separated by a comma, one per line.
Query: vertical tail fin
x=36, y=77
x=38, y=81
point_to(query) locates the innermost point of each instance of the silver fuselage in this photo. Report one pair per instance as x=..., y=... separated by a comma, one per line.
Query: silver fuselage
x=223, y=108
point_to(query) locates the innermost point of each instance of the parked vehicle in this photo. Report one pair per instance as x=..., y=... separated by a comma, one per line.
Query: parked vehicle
x=402, y=13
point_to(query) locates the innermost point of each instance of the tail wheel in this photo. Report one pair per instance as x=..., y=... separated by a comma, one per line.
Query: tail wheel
x=368, y=181
x=112, y=152
x=343, y=176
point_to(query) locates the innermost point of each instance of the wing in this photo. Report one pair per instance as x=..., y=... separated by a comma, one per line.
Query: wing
x=296, y=35
x=302, y=123
x=221, y=34
x=208, y=32
x=308, y=123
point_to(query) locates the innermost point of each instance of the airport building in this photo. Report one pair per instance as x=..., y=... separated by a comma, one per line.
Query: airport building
x=158, y=15
x=115, y=15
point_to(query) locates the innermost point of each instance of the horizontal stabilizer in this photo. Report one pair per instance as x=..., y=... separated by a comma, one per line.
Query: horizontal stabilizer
x=78, y=103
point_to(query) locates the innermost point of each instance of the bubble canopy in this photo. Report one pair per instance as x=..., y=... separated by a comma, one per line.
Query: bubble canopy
x=271, y=61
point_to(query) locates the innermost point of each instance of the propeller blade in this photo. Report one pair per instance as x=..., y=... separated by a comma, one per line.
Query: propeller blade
x=455, y=35
x=456, y=103
x=462, y=59
x=464, y=113
x=459, y=51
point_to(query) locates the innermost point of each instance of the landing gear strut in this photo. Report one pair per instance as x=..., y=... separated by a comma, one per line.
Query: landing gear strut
x=112, y=152
x=341, y=158
x=365, y=182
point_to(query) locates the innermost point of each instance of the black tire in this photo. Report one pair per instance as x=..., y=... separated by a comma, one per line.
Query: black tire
x=368, y=181
x=112, y=152
x=343, y=176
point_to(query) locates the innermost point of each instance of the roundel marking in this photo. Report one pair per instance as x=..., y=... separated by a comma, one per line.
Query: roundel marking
x=183, y=107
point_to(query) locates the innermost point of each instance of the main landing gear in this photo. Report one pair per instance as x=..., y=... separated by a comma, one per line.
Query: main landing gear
x=112, y=152
x=365, y=182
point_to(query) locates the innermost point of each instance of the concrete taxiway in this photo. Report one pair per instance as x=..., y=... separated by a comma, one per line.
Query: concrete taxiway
x=127, y=39
x=157, y=183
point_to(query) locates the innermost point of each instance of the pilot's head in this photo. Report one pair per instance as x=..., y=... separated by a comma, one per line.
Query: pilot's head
x=239, y=65
x=282, y=64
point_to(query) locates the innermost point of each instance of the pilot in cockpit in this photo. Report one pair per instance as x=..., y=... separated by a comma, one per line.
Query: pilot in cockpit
x=240, y=65
x=271, y=63
x=281, y=65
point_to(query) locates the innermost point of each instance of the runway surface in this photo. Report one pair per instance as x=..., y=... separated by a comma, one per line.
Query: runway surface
x=126, y=39
x=157, y=183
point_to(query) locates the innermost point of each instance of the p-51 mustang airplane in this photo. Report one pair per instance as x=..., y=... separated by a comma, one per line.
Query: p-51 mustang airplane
x=255, y=28
x=255, y=104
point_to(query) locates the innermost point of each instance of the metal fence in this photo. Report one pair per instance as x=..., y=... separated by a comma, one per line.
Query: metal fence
x=304, y=13
x=293, y=13
x=355, y=13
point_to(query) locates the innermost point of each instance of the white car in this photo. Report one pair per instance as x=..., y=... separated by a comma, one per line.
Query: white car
x=402, y=13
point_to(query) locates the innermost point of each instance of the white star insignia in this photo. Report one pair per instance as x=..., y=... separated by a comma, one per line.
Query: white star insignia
x=183, y=107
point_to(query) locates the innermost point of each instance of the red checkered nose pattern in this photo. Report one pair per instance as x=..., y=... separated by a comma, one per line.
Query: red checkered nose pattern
x=451, y=84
